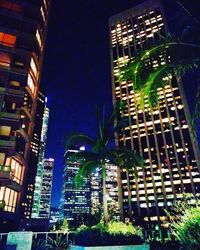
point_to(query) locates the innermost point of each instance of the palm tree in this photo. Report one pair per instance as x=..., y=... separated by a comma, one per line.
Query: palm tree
x=100, y=153
x=178, y=58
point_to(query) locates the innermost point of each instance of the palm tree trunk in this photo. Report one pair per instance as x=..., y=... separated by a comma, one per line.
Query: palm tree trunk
x=105, y=200
x=120, y=198
x=129, y=196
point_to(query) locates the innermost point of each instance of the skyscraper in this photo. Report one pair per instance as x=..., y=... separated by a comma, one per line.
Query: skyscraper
x=112, y=191
x=160, y=134
x=40, y=164
x=76, y=201
x=22, y=40
x=45, y=197
x=34, y=156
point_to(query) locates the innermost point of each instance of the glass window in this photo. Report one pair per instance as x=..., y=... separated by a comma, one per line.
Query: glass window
x=4, y=59
x=17, y=170
x=9, y=196
x=2, y=158
x=38, y=37
x=34, y=68
x=31, y=84
x=42, y=13
x=10, y=6
x=7, y=39
x=15, y=84
x=5, y=130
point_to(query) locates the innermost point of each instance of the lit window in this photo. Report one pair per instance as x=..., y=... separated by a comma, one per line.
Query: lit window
x=17, y=170
x=9, y=197
x=34, y=68
x=7, y=39
x=5, y=130
x=10, y=6
x=31, y=84
x=42, y=12
x=14, y=83
x=38, y=36
x=45, y=4
x=4, y=59
x=2, y=158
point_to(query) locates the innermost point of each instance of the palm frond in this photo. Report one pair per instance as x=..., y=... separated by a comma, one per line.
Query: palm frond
x=80, y=139
x=125, y=158
x=82, y=156
x=84, y=171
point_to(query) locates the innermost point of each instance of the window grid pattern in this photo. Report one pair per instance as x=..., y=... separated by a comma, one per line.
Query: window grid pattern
x=161, y=135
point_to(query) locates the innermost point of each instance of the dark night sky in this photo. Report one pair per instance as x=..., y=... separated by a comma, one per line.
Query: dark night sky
x=76, y=72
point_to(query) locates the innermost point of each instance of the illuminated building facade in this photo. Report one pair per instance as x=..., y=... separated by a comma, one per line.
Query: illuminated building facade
x=22, y=40
x=40, y=164
x=45, y=196
x=112, y=191
x=161, y=134
x=76, y=201
x=33, y=157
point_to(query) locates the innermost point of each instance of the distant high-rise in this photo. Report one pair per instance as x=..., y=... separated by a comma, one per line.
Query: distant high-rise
x=76, y=201
x=160, y=134
x=23, y=29
x=112, y=191
x=36, y=145
x=40, y=164
x=46, y=188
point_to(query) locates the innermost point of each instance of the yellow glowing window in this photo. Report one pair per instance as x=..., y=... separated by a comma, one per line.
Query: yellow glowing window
x=38, y=37
x=2, y=158
x=5, y=130
x=42, y=13
x=31, y=84
x=7, y=39
x=17, y=170
x=34, y=68
x=15, y=83
x=4, y=59
x=45, y=4
x=9, y=197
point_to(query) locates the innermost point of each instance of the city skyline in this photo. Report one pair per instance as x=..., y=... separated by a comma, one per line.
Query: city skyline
x=117, y=145
x=95, y=76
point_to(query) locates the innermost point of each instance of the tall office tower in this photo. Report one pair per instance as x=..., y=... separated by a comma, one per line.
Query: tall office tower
x=33, y=157
x=40, y=164
x=160, y=134
x=112, y=191
x=45, y=197
x=77, y=201
x=22, y=40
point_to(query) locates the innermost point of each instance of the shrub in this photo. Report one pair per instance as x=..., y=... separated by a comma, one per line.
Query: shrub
x=114, y=233
x=187, y=228
x=120, y=228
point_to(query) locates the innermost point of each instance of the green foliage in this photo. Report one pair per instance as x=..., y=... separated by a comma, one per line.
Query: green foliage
x=187, y=229
x=39, y=244
x=120, y=228
x=114, y=233
x=100, y=152
x=152, y=68
x=2, y=205
x=64, y=228
x=185, y=218
x=59, y=243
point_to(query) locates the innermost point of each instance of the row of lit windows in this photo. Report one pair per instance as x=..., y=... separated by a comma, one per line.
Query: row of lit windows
x=9, y=197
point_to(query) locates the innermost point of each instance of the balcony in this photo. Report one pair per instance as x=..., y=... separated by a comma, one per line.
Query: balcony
x=6, y=178
x=8, y=143
x=5, y=173
x=6, y=115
